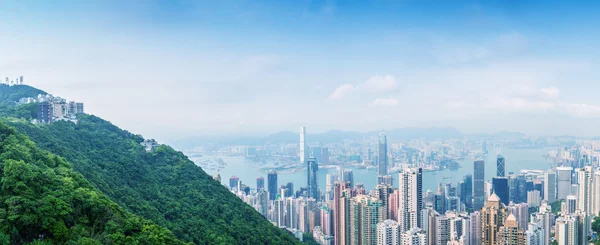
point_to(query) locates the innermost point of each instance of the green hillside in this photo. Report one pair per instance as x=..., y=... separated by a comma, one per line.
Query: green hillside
x=42, y=200
x=163, y=186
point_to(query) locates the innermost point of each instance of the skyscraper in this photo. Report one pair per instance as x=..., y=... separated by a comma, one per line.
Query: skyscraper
x=410, y=198
x=311, y=176
x=341, y=213
x=500, y=166
x=500, y=187
x=478, y=184
x=233, y=182
x=564, y=182
x=584, y=177
x=382, y=157
x=492, y=217
x=364, y=216
x=550, y=186
x=272, y=184
x=348, y=176
x=260, y=183
x=303, y=147
x=466, y=193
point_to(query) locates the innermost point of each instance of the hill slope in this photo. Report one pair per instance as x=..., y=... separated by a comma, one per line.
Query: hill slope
x=163, y=186
x=43, y=199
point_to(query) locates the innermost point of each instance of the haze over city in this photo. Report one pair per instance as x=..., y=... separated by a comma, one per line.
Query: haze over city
x=174, y=69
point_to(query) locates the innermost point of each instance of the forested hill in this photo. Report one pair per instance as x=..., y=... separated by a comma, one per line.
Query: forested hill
x=42, y=200
x=163, y=185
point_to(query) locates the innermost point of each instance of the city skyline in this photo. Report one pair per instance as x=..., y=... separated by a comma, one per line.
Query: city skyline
x=224, y=68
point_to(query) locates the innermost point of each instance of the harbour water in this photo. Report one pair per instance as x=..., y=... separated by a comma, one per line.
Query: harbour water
x=516, y=160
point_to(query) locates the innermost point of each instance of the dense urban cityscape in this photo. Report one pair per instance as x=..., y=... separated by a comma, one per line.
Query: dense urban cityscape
x=533, y=207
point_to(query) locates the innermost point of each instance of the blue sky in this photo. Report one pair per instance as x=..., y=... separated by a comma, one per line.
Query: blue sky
x=171, y=69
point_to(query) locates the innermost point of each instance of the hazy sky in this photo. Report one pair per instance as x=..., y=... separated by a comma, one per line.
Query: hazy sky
x=171, y=69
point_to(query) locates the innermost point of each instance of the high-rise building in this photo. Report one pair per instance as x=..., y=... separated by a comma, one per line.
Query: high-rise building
x=535, y=234
x=596, y=193
x=327, y=220
x=500, y=187
x=584, y=179
x=442, y=229
x=510, y=234
x=272, y=184
x=466, y=191
x=311, y=176
x=573, y=229
x=521, y=213
x=260, y=183
x=233, y=183
x=393, y=204
x=303, y=146
x=382, y=156
x=364, y=217
x=348, y=176
x=279, y=212
x=385, y=179
x=324, y=156
x=492, y=217
x=500, y=166
x=315, y=152
x=475, y=231
x=534, y=199
x=410, y=198
x=414, y=236
x=262, y=200
x=571, y=203
x=388, y=233
x=564, y=182
x=550, y=186
x=45, y=112
x=291, y=214
x=383, y=193
x=341, y=213
x=478, y=184
x=329, y=184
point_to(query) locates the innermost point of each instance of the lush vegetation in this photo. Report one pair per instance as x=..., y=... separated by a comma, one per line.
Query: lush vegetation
x=43, y=200
x=9, y=95
x=163, y=185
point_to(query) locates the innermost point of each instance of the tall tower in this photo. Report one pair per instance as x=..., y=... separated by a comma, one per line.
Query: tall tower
x=492, y=216
x=341, y=213
x=500, y=187
x=410, y=199
x=272, y=184
x=364, y=217
x=478, y=184
x=500, y=166
x=303, y=147
x=550, y=186
x=584, y=177
x=311, y=176
x=382, y=157
x=564, y=182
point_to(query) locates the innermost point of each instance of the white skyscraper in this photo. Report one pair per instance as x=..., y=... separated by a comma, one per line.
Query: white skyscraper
x=388, y=233
x=475, y=228
x=410, y=199
x=571, y=204
x=304, y=154
x=584, y=178
x=564, y=182
x=550, y=186
x=596, y=192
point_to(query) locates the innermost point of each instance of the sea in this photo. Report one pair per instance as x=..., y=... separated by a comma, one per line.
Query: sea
x=517, y=159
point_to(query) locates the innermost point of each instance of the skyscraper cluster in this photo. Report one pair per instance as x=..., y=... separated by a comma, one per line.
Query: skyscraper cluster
x=509, y=208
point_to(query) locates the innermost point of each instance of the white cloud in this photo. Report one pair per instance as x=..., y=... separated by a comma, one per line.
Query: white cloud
x=550, y=92
x=378, y=83
x=341, y=92
x=384, y=102
x=583, y=110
